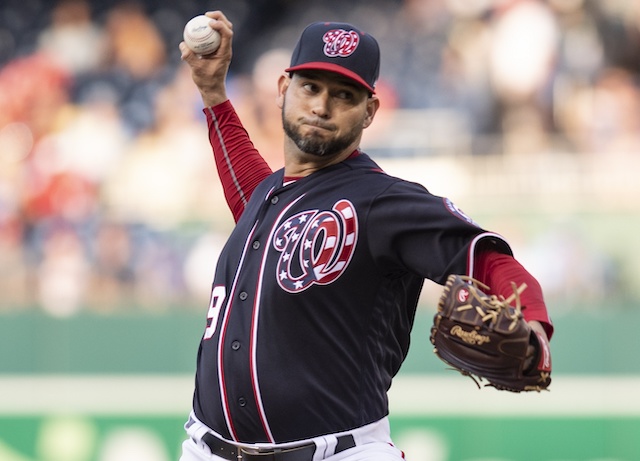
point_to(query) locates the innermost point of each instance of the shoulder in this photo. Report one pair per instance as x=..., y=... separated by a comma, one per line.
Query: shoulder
x=374, y=173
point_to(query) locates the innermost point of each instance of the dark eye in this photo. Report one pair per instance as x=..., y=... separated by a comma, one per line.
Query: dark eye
x=310, y=87
x=345, y=95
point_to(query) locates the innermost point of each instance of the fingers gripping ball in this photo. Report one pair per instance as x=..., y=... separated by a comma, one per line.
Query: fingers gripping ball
x=200, y=37
x=484, y=337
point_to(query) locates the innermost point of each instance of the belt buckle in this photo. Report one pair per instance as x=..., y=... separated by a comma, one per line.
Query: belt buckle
x=301, y=453
x=248, y=454
x=257, y=451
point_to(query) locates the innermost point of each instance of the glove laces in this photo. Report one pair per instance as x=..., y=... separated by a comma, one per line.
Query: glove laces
x=490, y=306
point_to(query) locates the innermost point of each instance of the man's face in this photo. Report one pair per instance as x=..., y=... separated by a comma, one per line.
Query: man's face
x=323, y=113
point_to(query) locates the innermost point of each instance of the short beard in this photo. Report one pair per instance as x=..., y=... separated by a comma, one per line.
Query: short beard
x=315, y=146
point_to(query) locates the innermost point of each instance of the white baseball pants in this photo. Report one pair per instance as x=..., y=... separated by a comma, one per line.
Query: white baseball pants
x=373, y=443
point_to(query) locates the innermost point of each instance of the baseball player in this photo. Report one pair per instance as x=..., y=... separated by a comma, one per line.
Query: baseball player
x=315, y=292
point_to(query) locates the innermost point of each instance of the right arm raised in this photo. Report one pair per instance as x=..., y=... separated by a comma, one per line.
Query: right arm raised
x=240, y=166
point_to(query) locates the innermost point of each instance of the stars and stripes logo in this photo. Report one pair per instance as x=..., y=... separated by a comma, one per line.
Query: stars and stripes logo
x=316, y=246
x=340, y=42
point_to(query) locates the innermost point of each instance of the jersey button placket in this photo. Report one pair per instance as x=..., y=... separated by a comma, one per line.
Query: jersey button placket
x=243, y=295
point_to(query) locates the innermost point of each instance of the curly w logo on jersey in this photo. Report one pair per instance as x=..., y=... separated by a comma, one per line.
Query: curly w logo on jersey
x=316, y=246
x=340, y=43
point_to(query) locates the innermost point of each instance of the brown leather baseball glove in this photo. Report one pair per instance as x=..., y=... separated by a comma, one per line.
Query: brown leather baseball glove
x=486, y=338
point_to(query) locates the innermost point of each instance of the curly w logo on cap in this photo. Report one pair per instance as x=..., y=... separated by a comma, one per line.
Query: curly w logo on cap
x=341, y=48
x=339, y=42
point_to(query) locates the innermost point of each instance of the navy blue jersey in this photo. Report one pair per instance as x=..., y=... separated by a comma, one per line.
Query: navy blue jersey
x=314, y=299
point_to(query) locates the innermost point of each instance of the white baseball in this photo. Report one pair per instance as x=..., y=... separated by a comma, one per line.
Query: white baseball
x=200, y=37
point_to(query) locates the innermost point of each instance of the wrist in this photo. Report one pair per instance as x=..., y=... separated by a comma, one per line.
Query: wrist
x=213, y=98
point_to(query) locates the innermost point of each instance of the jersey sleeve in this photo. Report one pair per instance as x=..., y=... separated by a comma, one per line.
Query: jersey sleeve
x=497, y=270
x=240, y=166
x=424, y=234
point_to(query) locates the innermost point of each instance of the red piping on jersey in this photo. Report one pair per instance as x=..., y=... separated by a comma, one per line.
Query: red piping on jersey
x=223, y=331
x=256, y=314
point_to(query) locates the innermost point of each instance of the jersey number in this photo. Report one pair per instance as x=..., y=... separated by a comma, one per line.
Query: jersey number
x=217, y=298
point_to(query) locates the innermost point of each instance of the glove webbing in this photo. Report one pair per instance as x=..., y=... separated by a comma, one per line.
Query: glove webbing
x=493, y=304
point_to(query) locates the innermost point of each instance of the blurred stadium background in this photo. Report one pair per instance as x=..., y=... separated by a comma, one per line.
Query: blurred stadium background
x=526, y=113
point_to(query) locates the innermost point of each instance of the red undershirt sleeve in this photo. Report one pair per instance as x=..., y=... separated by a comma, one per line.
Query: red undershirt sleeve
x=240, y=166
x=498, y=270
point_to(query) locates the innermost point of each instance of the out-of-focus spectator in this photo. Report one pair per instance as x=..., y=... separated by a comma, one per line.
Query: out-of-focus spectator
x=257, y=105
x=159, y=275
x=198, y=267
x=112, y=279
x=135, y=65
x=413, y=54
x=522, y=56
x=63, y=273
x=134, y=42
x=64, y=173
x=73, y=39
x=162, y=175
x=14, y=283
x=32, y=90
x=618, y=24
x=523, y=50
x=581, y=52
x=92, y=140
x=466, y=64
x=603, y=118
x=63, y=194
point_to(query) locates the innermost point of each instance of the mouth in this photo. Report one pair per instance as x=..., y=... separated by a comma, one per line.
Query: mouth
x=315, y=124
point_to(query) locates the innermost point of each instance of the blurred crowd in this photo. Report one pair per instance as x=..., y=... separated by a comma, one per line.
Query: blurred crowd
x=108, y=196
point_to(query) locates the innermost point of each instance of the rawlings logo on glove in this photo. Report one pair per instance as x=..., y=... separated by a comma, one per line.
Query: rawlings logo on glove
x=484, y=337
x=470, y=337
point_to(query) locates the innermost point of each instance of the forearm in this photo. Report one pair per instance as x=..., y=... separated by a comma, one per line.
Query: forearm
x=498, y=271
x=240, y=166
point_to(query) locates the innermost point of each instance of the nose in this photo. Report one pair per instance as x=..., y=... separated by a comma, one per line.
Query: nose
x=320, y=105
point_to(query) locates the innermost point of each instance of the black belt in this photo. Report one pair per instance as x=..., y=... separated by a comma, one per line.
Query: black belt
x=229, y=451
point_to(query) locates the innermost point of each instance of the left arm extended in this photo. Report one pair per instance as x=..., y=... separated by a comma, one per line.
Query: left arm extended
x=498, y=271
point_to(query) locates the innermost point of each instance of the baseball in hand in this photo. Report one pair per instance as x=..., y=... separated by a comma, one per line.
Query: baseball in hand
x=200, y=37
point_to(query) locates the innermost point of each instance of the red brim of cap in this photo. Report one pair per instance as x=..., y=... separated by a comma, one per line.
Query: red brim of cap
x=332, y=68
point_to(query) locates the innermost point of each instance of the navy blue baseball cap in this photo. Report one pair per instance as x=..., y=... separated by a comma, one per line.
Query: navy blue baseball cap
x=340, y=48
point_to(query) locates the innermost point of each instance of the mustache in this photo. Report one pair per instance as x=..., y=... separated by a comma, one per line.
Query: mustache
x=312, y=121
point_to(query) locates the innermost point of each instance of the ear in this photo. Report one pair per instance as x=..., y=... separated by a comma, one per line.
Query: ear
x=283, y=84
x=373, y=104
